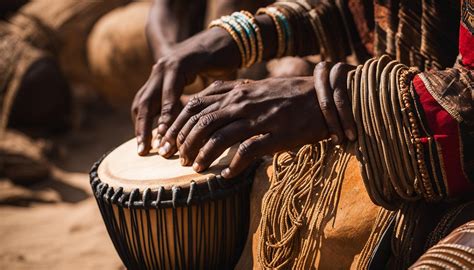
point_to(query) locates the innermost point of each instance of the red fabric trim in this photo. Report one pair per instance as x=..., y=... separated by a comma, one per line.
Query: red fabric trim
x=466, y=47
x=446, y=134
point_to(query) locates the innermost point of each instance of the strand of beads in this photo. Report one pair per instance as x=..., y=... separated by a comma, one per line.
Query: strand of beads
x=244, y=30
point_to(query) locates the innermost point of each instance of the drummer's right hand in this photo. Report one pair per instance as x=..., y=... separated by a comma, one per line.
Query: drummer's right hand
x=212, y=52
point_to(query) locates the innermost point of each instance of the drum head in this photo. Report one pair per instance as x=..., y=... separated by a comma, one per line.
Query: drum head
x=123, y=167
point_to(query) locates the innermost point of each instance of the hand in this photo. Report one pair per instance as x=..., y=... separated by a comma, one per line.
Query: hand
x=262, y=116
x=330, y=82
x=207, y=52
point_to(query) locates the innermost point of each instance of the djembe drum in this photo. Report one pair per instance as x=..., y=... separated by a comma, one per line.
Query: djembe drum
x=161, y=215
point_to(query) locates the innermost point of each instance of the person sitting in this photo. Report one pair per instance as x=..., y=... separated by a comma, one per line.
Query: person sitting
x=410, y=119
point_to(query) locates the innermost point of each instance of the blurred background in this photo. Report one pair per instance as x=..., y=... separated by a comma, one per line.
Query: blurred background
x=68, y=72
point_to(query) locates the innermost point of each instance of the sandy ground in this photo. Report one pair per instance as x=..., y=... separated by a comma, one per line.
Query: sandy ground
x=55, y=224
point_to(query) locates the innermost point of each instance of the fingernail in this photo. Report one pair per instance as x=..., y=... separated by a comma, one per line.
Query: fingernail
x=140, y=148
x=225, y=172
x=183, y=161
x=350, y=134
x=165, y=149
x=162, y=128
x=197, y=167
x=334, y=138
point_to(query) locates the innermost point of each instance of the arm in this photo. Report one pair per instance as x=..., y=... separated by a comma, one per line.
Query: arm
x=170, y=22
x=286, y=29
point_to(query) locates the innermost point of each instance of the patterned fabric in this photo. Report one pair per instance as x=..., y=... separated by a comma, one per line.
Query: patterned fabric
x=442, y=119
x=417, y=32
x=466, y=34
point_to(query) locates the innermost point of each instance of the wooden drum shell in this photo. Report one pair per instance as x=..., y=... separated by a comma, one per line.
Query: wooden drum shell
x=203, y=226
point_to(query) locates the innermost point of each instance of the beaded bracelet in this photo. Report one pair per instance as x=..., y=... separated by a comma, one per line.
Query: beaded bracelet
x=243, y=37
x=233, y=33
x=245, y=32
x=278, y=27
x=242, y=20
x=304, y=39
x=258, y=33
x=286, y=29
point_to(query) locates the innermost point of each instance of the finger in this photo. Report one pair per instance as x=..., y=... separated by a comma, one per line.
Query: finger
x=184, y=132
x=170, y=104
x=195, y=105
x=326, y=101
x=200, y=133
x=338, y=82
x=222, y=139
x=136, y=100
x=147, y=109
x=248, y=151
x=221, y=87
x=143, y=126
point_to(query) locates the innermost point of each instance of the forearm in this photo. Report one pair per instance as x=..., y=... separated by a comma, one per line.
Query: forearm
x=172, y=21
x=291, y=29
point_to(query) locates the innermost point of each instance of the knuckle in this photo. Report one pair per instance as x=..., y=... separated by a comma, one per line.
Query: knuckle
x=158, y=66
x=340, y=102
x=194, y=119
x=206, y=120
x=325, y=104
x=172, y=131
x=217, y=83
x=338, y=67
x=244, y=149
x=194, y=104
x=180, y=138
x=322, y=65
x=166, y=108
x=216, y=139
x=161, y=62
x=240, y=94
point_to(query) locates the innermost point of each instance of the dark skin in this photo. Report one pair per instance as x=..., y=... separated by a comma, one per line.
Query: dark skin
x=172, y=21
x=306, y=109
x=211, y=52
x=244, y=113
x=263, y=117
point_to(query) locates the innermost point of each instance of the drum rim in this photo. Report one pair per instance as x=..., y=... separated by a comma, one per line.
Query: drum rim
x=213, y=188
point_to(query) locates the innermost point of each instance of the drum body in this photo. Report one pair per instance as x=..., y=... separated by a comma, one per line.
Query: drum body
x=193, y=221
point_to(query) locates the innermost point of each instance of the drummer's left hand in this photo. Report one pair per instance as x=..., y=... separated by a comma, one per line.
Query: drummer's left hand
x=264, y=116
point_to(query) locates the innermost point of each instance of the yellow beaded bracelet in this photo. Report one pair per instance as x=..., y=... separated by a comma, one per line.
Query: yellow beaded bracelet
x=256, y=28
x=233, y=34
x=280, y=35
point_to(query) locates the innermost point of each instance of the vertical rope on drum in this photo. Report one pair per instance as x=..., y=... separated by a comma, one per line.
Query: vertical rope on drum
x=182, y=245
x=215, y=232
x=135, y=229
x=142, y=239
x=176, y=240
x=127, y=237
x=152, y=250
x=143, y=244
x=200, y=229
x=222, y=251
x=164, y=223
x=115, y=232
x=190, y=225
x=104, y=210
x=235, y=225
